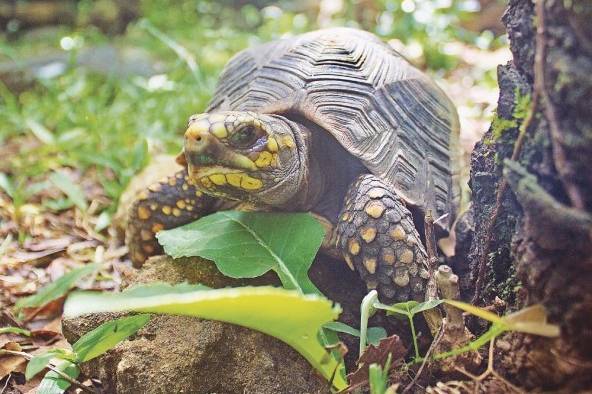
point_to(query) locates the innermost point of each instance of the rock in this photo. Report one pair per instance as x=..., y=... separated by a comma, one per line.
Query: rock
x=188, y=355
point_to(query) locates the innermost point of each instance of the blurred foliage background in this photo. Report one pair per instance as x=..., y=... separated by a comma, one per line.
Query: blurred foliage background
x=90, y=89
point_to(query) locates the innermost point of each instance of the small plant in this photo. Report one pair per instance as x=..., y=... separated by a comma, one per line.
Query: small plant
x=64, y=364
x=378, y=377
x=408, y=309
x=530, y=320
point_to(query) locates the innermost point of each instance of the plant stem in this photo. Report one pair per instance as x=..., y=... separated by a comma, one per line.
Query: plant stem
x=365, y=310
x=51, y=367
x=410, y=317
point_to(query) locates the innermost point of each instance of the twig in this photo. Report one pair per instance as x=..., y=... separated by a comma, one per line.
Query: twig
x=490, y=371
x=6, y=383
x=51, y=367
x=426, y=358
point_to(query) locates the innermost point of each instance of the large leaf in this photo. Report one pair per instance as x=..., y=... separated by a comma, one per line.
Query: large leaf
x=106, y=336
x=287, y=315
x=248, y=244
x=56, y=289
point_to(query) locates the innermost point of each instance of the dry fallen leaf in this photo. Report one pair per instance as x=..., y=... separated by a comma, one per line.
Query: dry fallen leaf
x=377, y=355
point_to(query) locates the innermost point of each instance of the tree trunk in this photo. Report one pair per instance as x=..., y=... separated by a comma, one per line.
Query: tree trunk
x=531, y=180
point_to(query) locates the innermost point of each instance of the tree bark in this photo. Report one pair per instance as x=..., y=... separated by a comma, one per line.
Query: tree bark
x=531, y=182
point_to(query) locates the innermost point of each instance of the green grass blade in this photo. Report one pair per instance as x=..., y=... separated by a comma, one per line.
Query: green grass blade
x=107, y=336
x=40, y=131
x=475, y=310
x=15, y=330
x=56, y=289
x=70, y=189
x=39, y=362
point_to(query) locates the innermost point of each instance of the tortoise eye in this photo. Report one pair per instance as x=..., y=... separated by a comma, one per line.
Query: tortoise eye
x=243, y=137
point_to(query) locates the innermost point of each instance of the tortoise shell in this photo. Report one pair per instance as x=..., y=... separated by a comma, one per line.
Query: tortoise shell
x=378, y=106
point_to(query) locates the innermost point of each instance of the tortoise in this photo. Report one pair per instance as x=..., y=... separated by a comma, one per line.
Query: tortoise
x=333, y=122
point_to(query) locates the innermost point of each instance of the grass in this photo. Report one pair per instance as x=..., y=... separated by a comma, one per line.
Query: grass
x=106, y=124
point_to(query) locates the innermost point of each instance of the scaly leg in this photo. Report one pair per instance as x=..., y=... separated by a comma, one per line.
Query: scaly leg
x=170, y=203
x=377, y=237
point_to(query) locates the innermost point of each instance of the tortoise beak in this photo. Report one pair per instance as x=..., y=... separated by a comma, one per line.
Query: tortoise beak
x=198, y=138
x=203, y=149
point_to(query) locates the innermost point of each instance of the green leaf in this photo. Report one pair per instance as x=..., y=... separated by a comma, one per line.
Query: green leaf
x=59, y=204
x=366, y=310
x=140, y=154
x=378, y=376
x=107, y=336
x=424, y=306
x=52, y=383
x=401, y=308
x=249, y=244
x=15, y=330
x=70, y=189
x=338, y=326
x=531, y=320
x=40, y=361
x=375, y=334
x=376, y=379
x=56, y=289
x=475, y=310
x=287, y=315
x=103, y=221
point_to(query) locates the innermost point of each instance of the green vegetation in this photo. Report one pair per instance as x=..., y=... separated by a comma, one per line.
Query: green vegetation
x=379, y=378
x=500, y=125
x=56, y=289
x=283, y=242
x=530, y=320
x=89, y=346
x=104, y=123
x=287, y=315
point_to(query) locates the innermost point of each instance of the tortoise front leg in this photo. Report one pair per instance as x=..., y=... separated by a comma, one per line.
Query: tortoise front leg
x=169, y=203
x=377, y=237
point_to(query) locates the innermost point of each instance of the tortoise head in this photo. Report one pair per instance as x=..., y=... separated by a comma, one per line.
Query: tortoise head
x=244, y=156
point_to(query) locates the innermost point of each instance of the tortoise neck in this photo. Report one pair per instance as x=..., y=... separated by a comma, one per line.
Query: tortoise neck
x=326, y=169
